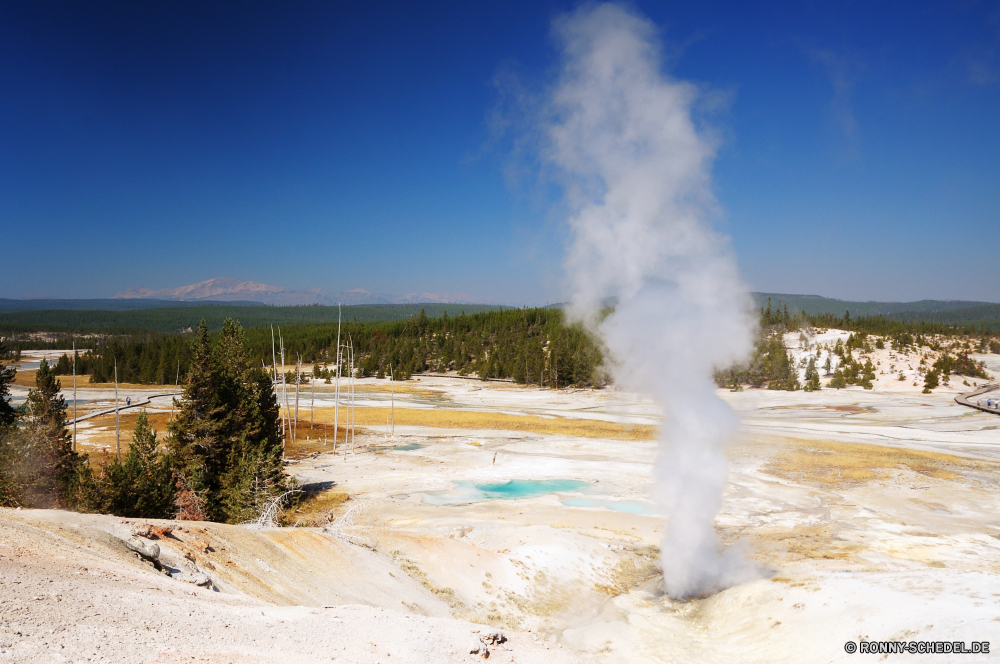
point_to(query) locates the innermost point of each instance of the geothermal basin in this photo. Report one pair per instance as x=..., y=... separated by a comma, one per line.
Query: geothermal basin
x=872, y=515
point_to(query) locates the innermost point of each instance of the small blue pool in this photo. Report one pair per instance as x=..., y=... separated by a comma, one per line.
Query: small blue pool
x=525, y=488
x=474, y=492
x=400, y=448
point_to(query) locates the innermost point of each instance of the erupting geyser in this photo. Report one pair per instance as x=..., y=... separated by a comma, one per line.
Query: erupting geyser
x=634, y=166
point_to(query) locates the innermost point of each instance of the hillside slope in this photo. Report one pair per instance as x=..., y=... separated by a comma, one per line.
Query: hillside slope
x=72, y=591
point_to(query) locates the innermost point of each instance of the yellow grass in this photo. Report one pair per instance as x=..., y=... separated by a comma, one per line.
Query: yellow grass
x=82, y=381
x=398, y=388
x=803, y=542
x=835, y=463
x=467, y=419
x=26, y=378
x=322, y=387
x=99, y=436
x=311, y=440
x=317, y=509
x=630, y=571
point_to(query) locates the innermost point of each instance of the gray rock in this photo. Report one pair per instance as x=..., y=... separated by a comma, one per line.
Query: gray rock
x=476, y=646
x=494, y=636
x=148, y=550
x=196, y=578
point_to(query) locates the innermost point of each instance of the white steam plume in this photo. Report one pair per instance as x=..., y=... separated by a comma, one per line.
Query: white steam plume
x=635, y=171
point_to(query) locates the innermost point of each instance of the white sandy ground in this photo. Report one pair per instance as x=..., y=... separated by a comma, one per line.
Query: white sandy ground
x=906, y=555
x=71, y=592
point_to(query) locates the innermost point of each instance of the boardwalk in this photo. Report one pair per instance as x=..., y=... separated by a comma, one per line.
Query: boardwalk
x=970, y=399
x=122, y=406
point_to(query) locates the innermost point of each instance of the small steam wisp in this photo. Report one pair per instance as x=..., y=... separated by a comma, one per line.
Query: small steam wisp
x=634, y=167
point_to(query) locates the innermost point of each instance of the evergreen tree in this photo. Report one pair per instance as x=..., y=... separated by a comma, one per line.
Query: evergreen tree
x=838, y=381
x=46, y=405
x=867, y=377
x=827, y=365
x=9, y=492
x=255, y=474
x=227, y=437
x=520, y=369
x=195, y=434
x=64, y=366
x=141, y=486
x=48, y=471
x=930, y=381
x=869, y=369
x=812, y=376
x=8, y=428
x=8, y=414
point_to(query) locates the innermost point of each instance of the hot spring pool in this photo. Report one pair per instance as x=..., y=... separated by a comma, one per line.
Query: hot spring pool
x=400, y=448
x=474, y=492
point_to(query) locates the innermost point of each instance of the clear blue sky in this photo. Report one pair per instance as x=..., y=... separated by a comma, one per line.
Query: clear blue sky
x=346, y=145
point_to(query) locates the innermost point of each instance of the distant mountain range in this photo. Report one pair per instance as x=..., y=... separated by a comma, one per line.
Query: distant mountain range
x=946, y=312
x=929, y=310
x=227, y=293
x=234, y=290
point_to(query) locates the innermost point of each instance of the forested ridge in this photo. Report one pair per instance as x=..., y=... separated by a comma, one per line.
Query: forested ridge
x=19, y=325
x=942, y=311
x=922, y=324
x=532, y=346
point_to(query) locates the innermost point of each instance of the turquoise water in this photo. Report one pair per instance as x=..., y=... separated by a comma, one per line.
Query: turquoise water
x=474, y=492
x=627, y=506
x=525, y=488
x=401, y=448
